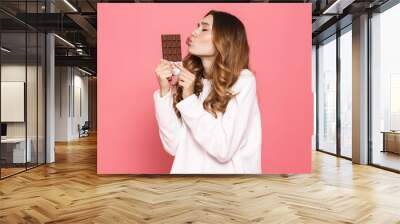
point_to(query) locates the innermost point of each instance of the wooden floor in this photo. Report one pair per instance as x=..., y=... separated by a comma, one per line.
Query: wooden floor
x=5, y=172
x=69, y=191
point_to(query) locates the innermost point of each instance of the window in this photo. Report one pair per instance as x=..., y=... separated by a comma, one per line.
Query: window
x=346, y=92
x=385, y=88
x=327, y=95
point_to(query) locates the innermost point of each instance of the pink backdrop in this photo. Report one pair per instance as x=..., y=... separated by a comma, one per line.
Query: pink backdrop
x=129, y=48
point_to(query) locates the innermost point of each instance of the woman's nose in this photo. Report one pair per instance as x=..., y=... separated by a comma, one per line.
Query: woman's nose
x=195, y=32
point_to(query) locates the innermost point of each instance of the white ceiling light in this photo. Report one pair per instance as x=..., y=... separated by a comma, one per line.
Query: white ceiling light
x=338, y=6
x=70, y=5
x=5, y=50
x=65, y=41
x=86, y=72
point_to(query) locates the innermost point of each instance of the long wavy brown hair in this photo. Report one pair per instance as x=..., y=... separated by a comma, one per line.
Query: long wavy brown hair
x=231, y=56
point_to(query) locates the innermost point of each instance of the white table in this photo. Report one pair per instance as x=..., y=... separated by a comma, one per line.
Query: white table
x=19, y=149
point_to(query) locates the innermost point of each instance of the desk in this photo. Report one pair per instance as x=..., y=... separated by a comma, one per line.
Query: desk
x=391, y=141
x=13, y=150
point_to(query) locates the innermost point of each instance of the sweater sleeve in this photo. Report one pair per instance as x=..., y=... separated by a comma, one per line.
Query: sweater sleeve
x=170, y=126
x=221, y=137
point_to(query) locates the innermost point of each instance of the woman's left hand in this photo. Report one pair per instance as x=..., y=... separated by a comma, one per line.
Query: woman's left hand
x=186, y=80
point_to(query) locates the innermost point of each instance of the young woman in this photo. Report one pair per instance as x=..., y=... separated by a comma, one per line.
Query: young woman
x=210, y=120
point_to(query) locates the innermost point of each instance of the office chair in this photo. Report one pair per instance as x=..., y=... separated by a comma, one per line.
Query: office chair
x=84, y=130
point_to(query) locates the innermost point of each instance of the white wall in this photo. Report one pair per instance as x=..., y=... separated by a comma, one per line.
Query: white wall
x=61, y=103
x=81, y=84
x=70, y=83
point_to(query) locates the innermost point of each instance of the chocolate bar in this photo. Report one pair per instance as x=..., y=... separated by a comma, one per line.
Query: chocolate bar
x=171, y=47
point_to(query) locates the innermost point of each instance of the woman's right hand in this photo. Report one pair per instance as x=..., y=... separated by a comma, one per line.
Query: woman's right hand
x=164, y=72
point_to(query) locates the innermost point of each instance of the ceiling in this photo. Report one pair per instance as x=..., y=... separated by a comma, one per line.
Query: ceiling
x=76, y=22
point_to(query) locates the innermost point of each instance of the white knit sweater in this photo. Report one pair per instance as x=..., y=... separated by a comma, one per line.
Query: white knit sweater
x=203, y=144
